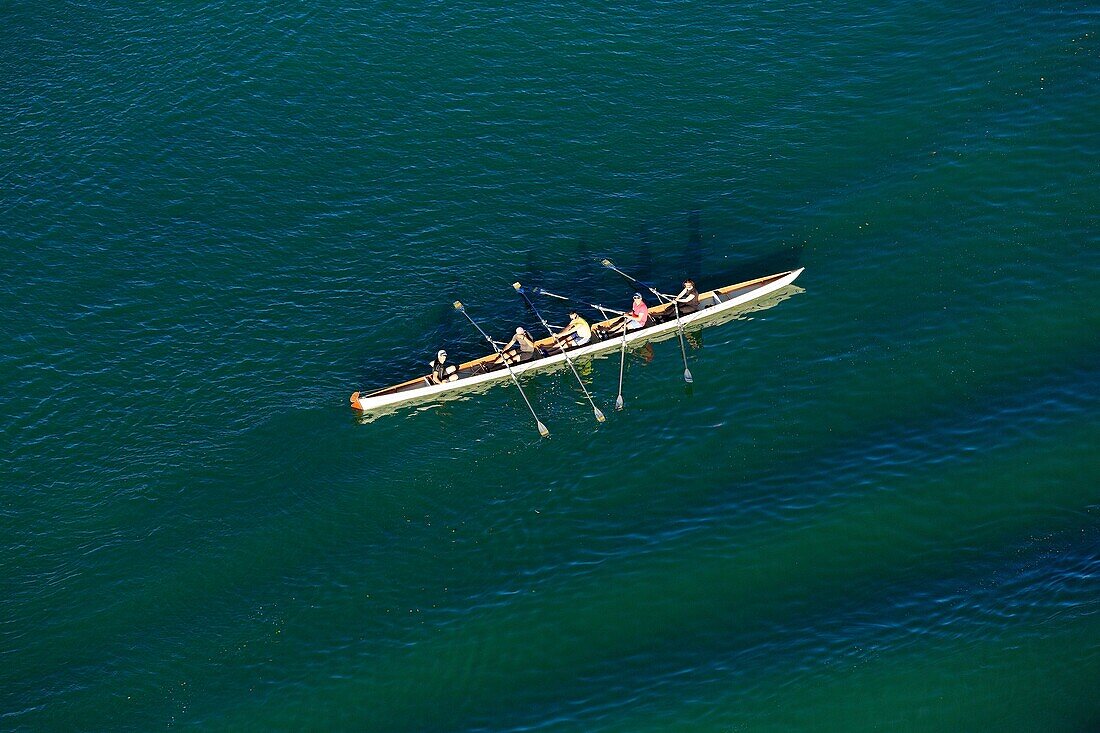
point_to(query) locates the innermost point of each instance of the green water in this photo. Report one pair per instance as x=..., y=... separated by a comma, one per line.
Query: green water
x=875, y=508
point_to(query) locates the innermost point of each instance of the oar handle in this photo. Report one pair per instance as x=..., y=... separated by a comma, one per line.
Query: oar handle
x=616, y=311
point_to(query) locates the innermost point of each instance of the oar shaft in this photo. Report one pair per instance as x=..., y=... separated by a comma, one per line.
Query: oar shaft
x=622, y=366
x=485, y=335
x=683, y=349
x=568, y=360
x=661, y=298
x=542, y=428
x=594, y=306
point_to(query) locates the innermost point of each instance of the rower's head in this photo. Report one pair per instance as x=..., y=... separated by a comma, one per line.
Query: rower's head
x=689, y=284
x=637, y=297
x=573, y=315
x=520, y=331
x=441, y=356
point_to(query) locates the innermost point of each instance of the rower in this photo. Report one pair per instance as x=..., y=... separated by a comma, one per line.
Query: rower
x=577, y=333
x=441, y=370
x=520, y=349
x=688, y=299
x=638, y=317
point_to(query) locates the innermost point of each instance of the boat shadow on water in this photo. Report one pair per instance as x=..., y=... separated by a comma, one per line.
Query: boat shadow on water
x=692, y=332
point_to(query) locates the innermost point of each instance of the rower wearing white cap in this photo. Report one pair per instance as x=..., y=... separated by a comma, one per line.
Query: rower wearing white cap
x=637, y=318
x=520, y=349
x=441, y=370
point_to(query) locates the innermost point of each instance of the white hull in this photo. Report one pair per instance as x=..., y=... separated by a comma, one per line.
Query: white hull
x=366, y=403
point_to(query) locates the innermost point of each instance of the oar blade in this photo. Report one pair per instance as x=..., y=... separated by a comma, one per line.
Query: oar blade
x=459, y=306
x=687, y=376
x=619, y=403
x=599, y=414
x=542, y=430
x=518, y=287
x=607, y=263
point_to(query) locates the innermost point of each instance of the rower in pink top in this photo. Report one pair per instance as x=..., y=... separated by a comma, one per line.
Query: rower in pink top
x=639, y=317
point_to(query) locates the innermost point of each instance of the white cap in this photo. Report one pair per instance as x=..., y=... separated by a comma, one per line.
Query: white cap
x=519, y=330
x=441, y=354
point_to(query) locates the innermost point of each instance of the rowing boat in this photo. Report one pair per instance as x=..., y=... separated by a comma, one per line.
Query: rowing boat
x=488, y=369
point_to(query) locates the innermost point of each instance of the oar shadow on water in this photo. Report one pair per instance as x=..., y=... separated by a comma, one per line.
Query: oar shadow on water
x=661, y=254
x=732, y=269
x=650, y=258
x=572, y=273
x=692, y=258
x=643, y=250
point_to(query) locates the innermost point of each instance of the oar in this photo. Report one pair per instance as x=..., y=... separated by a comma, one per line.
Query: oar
x=622, y=363
x=611, y=266
x=662, y=298
x=683, y=350
x=595, y=410
x=542, y=428
x=603, y=310
x=594, y=306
